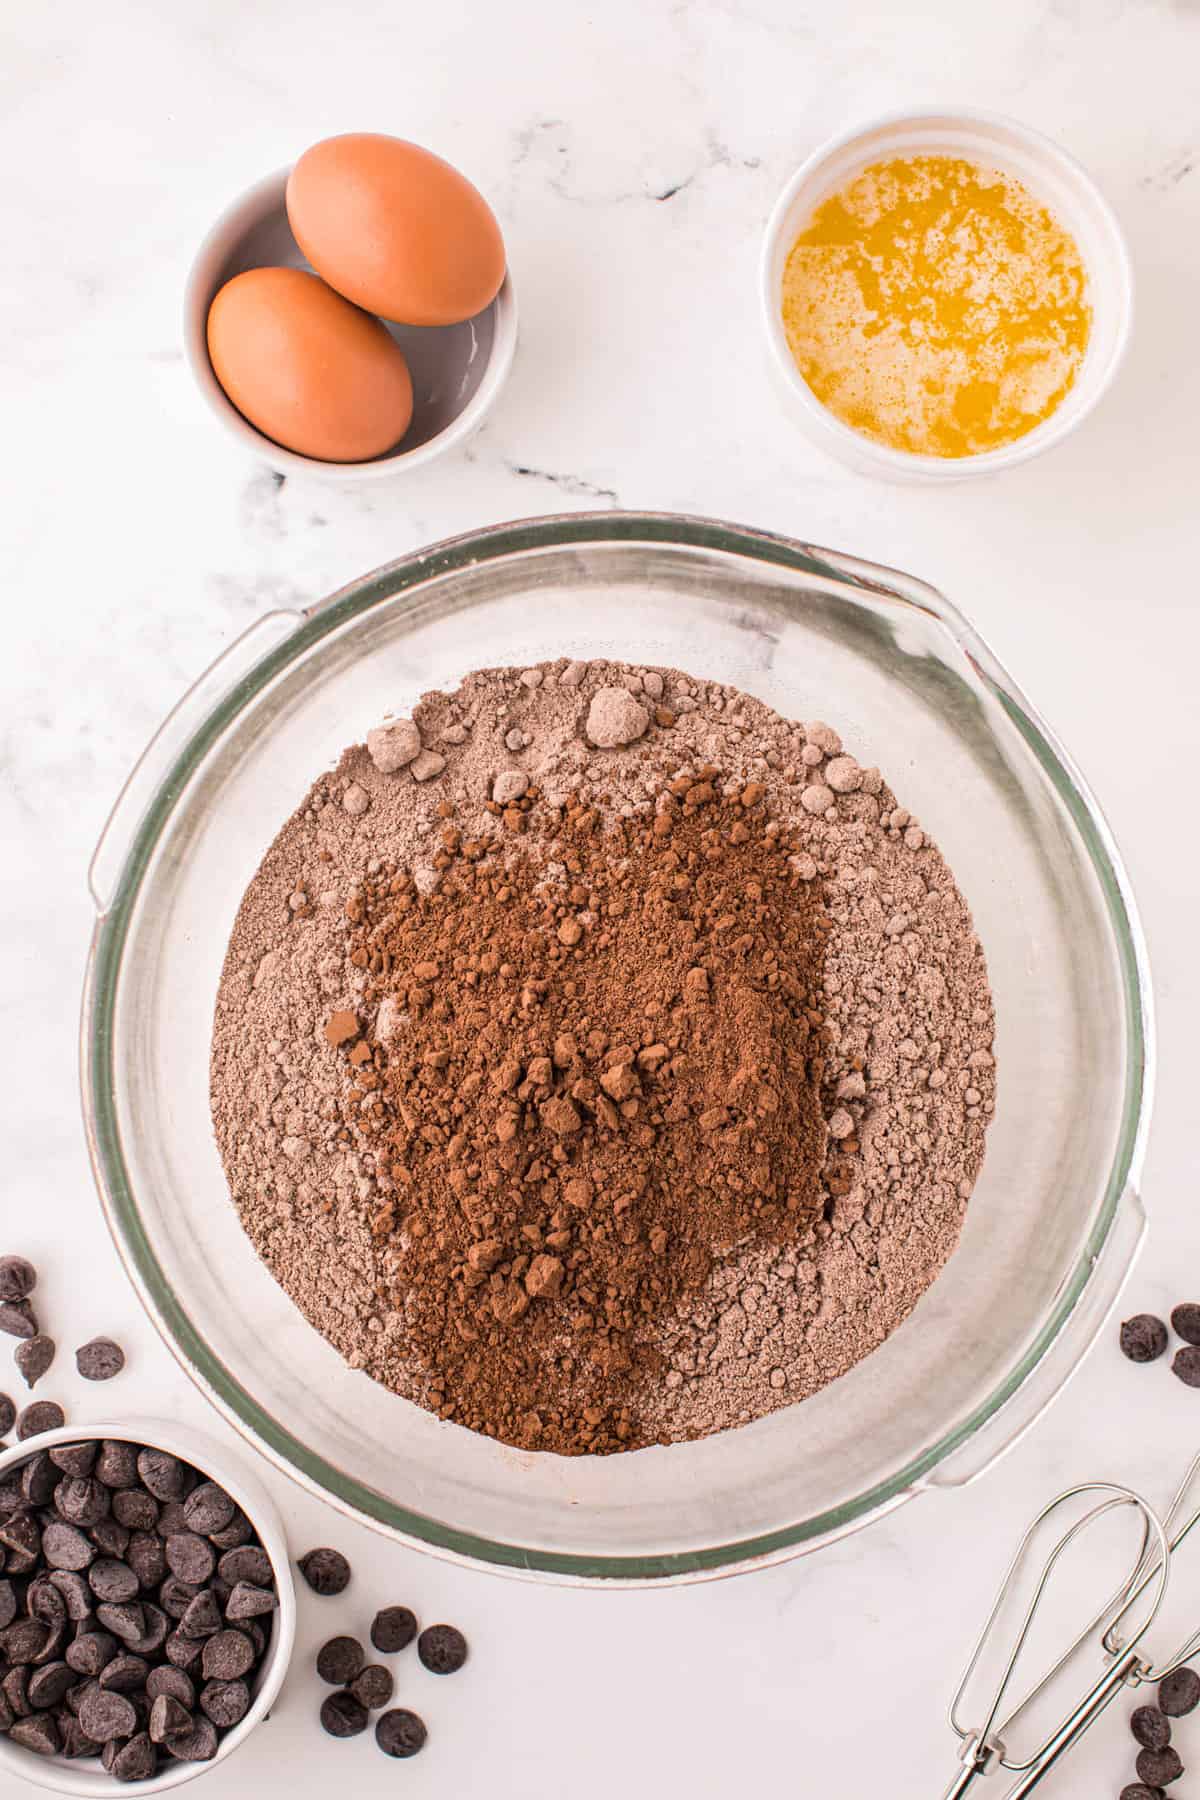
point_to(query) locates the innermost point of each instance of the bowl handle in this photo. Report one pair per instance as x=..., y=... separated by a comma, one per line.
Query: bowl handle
x=218, y=681
x=1060, y=1360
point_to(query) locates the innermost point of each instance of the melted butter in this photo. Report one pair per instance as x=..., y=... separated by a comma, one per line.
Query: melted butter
x=936, y=306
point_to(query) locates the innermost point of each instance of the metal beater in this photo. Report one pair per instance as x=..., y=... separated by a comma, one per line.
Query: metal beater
x=1110, y=1640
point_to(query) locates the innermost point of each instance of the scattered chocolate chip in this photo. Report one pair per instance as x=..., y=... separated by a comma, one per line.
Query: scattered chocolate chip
x=227, y=1656
x=25, y=1641
x=1158, y=1767
x=76, y=1593
x=8, y=1414
x=1178, y=1693
x=89, y=1654
x=18, y=1278
x=135, y=1509
x=125, y=1620
x=81, y=1500
x=136, y=1760
x=326, y=1571
x=112, y=1581
x=19, y=1534
x=110, y=1538
x=48, y=1415
x=75, y=1459
x=393, y=1629
x=147, y=1558
x=43, y=1600
x=166, y=1680
x=39, y=1478
x=442, y=1648
x=1185, y=1321
x=373, y=1686
x=75, y=1740
x=1143, y=1338
x=168, y=1719
x=191, y=1558
x=176, y=1596
x=39, y=1734
x=208, y=1508
x=48, y=1685
x=154, y=1636
x=65, y=1547
x=17, y=1318
x=340, y=1660
x=1187, y=1365
x=33, y=1357
x=125, y=1674
x=225, y=1702
x=99, y=1359
x=202, y=1617
x=400, y=1732
x=183, y=1652
x=197, y=1745
x=342, y=1715
x=117, y=1464
x=247, y=1563
x=104, y=1715
x=163, y=1474
x=172, y=1520
x=249, y=1602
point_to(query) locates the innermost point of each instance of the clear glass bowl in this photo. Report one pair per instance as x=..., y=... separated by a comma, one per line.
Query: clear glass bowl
x=1054, y=1221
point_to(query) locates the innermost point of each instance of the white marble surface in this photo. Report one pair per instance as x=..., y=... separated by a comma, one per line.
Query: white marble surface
x=632, y=151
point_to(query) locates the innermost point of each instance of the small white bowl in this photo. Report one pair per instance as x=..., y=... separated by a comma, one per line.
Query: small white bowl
x=87, y=1778
x=457, y=370
x=1050, y=174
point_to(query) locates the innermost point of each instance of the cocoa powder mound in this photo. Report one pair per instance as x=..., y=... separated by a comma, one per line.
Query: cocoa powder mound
x=601, y=1059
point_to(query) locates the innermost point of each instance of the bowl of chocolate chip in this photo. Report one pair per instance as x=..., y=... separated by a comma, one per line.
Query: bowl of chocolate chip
x=147, y=1605
x=617, y=1048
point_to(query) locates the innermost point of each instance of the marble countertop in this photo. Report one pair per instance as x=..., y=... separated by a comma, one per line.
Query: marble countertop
x=632, y=152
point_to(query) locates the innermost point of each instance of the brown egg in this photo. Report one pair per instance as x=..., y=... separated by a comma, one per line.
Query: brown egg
x=396, y=229
x=310, y=370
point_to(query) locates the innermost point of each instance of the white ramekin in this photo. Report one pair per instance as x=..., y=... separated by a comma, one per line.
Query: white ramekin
x=87, y=1778
x=254, y=233
x=1049, y=173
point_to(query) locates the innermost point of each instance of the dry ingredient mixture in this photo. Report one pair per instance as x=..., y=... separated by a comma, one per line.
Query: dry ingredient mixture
x=601, y=1059
x=936, y=306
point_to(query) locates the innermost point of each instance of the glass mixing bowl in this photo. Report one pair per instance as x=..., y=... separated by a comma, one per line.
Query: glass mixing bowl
x=1054, y=1221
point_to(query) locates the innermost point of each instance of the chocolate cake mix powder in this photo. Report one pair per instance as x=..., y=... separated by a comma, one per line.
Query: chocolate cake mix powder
x=601, y=1059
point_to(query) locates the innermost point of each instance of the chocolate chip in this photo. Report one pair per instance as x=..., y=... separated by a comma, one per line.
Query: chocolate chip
x=147, y=1558
x=1178, y=1693
x=43, y=1600
x=39, y=1735
x=167, y=1680
x=8, y=1604
x=400, y=1732
x=74, y=1459
x=326, y=1571
x=110, y=1538
x=373, y=1686
x=442, y=1648
x=1158, y=1767
x=163, y=1474
x=135, y=1509
x=104, y=1715
x=8, y=1415
x=203, y=1616
x=393, y=1629
x=81, y=1500
x=342, y=1715
x=168, y=1719
x=208, y=1508
x=48, y=1685
x=64, y=1547
x=176, y=1596
x=225, y=1702
x=33, y=1358
x=154, y=1636
x=238, y=1531
x=249, y=1602
x=20, y=1534
x=340, y=1660
x=18, y=1278
x=117, y=1464
x=89, y=1654
x=14, y=1690
x=1185, y=1321
x=75, y=1740
x=1186, y=1365
x=39, y=1478
x=76, y=1592
x=48, y=1415
x=172, y=1520
x=125, y=1620
x=183, y=1652
x=197, y=1745
x=227, y=1656
x=1143, y=1338
x=25, y=1640
x=112, y=1581
x=191, y=1558
x=109, y=1753
x=247, y=1563
x=136, y=1760
x=18, y=1319
x=99, y=1359
x=125, y=1674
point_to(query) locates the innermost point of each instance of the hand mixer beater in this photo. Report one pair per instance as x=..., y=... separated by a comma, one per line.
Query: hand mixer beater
x=1105, y=1657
